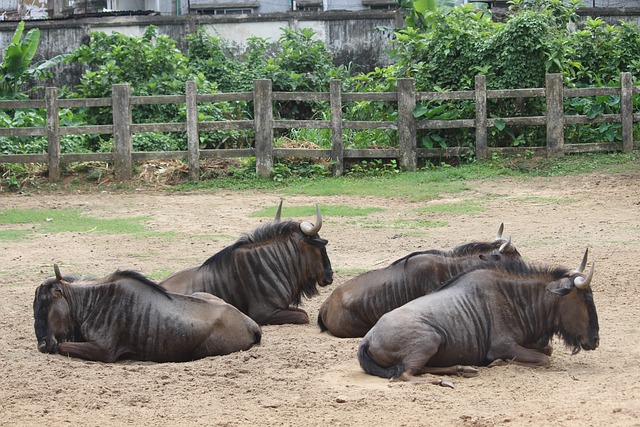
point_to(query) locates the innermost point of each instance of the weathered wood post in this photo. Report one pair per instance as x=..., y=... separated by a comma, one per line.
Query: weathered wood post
x=482, y=150
x=53, y=135
x=263, y=125
x=193, y=141
x=120, y=102
x=407, y=142
x=626, y=111
x=337, y=148
x=555, y=114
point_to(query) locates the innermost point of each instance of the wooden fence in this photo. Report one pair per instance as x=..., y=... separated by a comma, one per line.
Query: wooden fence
x=407, y=153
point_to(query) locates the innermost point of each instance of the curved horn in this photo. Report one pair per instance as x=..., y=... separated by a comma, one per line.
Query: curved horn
x=500, y=230
x=583, y=264
x=505, y=245
x=310, y=229
x=583, y=282
x=278, y=212
x=57, y=271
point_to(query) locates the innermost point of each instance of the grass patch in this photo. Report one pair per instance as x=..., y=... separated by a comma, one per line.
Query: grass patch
x=464, y=207
x=306, y=211
x=423, y=185
x=61, y=220
x=546, y=200
x=574, y=164
x=414, y=186
x=350, y=271
x=160, y=275
x=400, y=223
x=418, y=223
x=13, y=235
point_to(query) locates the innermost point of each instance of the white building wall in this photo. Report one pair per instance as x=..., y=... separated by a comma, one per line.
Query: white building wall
x=344, y=5
x=8, y=5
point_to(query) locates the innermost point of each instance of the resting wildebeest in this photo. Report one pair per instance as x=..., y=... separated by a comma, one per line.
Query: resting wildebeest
x=126, y=315
x=266, y=273
x=356, y=305
x=507, y=311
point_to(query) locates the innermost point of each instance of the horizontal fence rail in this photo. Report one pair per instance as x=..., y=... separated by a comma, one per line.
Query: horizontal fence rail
x=407, y=152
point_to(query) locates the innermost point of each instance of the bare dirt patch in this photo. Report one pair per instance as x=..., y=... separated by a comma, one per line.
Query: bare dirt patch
x=299, y=376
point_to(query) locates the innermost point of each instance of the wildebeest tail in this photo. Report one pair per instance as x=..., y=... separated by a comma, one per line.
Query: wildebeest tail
x=321, y=324
x=371, y=367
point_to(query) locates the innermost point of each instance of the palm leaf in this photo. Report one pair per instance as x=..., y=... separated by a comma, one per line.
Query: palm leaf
x=12, y=62
x=18, y=34
x=30, y=46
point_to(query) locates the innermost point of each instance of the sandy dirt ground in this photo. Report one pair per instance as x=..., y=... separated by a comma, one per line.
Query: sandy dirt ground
x=297, y=375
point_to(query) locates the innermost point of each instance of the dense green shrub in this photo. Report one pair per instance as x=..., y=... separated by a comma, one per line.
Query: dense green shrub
x=442, y=48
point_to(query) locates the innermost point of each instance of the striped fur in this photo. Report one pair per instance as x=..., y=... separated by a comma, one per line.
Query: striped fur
x=496, y=311
x=263, y=273
x=355, y=306
x=126, y=315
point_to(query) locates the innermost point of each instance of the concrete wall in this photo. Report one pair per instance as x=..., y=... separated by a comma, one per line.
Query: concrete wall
x=350, y=36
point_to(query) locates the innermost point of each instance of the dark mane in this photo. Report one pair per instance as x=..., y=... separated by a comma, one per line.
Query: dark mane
x=265, y=233
x=459, y=251
x=517, y=268
x=135, y=275
x=475, y=248
x=412, y=254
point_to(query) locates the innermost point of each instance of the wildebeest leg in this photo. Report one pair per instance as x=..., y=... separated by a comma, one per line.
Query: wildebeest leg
x=288, y=315
x=547, y=349
x=415, y=362
x=408, y=377
x=459, y=370
x=523, y=356
x=87, y=350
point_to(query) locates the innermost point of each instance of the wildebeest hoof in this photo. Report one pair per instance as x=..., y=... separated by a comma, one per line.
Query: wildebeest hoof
x=446, y=383
x=466, y=371
x=498, y=362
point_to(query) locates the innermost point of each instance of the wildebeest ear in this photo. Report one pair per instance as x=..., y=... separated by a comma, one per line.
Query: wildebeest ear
x=56, y=291
x=559, y=290
x=317, y=242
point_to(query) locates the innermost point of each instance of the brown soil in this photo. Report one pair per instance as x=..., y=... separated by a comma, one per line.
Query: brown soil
x=299, y=376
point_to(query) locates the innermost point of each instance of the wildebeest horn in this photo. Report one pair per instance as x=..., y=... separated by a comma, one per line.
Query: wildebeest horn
x=583, y=282
x=57, y=271
x=500, y=230
x=310, y=229
x=505, y=245
x=278, y=212
x=583, y=264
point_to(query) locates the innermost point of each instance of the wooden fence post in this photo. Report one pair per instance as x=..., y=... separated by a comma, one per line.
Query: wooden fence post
x=193, y=139
x=120, y=102
x=555, y=114
x=407, y=124
x=337, y=148
x=263, y=125
x=481, y=117
x=53, y=132
x=626, y=111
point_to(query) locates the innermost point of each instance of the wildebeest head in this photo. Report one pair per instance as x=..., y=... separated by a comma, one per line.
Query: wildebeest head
x=323, y=275
x=52, y=315
x=495, y=250
x=577, y=320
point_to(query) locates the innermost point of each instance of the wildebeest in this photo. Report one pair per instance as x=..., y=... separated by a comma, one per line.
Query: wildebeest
x=356, y=305
x=265, y=273
x=488, y=314
x=126, y=315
